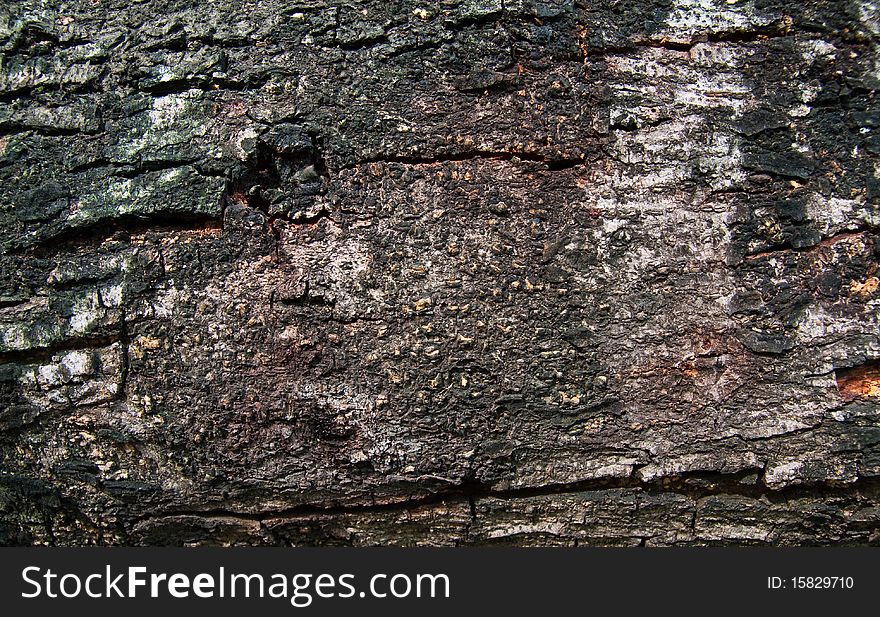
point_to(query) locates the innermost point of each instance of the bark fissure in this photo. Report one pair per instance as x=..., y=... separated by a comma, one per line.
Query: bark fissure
x=695, y=485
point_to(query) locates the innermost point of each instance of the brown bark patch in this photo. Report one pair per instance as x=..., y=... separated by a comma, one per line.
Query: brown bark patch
x=860, y=381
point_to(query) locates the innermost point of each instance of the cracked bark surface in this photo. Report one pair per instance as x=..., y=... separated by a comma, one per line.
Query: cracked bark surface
x=455, y=273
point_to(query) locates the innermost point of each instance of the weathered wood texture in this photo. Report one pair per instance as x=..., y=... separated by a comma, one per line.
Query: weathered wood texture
x=456, y=272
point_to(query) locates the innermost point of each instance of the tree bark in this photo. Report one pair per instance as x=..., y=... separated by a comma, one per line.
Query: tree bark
x=463, y=272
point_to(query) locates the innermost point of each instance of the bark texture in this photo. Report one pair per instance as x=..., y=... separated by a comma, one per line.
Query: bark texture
x=453, y=272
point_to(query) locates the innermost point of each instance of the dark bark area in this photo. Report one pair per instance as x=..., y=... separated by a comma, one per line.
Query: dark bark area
x=458, y=272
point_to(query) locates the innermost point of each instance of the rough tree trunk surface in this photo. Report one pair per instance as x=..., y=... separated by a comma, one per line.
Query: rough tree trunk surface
x=455, y=272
